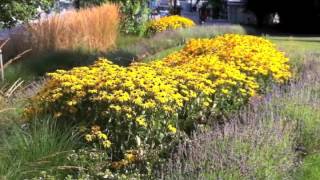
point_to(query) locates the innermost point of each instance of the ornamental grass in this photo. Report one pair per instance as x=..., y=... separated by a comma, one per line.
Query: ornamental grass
x=93, y=28
x=145, y=106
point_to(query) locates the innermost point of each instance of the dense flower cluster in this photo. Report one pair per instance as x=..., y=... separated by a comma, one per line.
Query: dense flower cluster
x=144, y=104
x=251, y=55
x=169, y=23
x=97, y=137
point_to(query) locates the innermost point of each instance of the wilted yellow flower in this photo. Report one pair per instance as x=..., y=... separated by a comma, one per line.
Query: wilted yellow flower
x=95, y=129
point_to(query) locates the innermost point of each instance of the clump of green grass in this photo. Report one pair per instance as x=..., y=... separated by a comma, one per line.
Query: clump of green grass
x=31, y=148
x=310, y=168
x=300, y=103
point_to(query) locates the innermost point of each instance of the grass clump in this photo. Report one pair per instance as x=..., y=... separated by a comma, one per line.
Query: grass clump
x=32, y=148
x=310, y=169
x=94, y=28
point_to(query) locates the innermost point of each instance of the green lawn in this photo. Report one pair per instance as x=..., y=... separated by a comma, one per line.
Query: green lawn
x=301, y=44
x=301, y=50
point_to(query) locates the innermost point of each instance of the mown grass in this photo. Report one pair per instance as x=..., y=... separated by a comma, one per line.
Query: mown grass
x=302, y=44
x=298, y=48
x=310, y=168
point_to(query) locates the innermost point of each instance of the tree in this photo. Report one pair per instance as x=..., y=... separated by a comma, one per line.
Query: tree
x=135, y=15
x=15, y=11
x=87, y=3
x=291, y=12
x=261, y=8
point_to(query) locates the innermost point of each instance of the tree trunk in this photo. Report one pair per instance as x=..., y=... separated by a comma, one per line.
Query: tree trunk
x=260, y=19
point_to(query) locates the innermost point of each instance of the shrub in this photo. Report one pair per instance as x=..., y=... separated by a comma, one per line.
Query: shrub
x=94, y=28
x=120, y=99
x=169, y=23
x=144, y=107
x=134, y=14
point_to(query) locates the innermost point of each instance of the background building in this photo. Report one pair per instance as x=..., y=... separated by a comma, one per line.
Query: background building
x=237, y=13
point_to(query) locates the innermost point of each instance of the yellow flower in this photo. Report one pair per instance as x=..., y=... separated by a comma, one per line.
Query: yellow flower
x=226, y=68
x=102, y=136
x=225, y=91
x=93, y=91
x=88, y=138
x=106, y=144
x=206, y=104
x=172, y=128
x=130, y=157
x=72, y=103
x=169, y=23
x=116, y=108
x=141, y=121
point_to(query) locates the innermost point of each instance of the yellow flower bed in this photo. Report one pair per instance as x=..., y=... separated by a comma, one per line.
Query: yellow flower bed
x=252, y=55
x=147, y=102
x=169, y=23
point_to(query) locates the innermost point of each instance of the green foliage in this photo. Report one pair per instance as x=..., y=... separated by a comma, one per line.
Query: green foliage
x=135, y=16
x=34, y=147
x=15, y=11
x=88, y=3
x=310, y=169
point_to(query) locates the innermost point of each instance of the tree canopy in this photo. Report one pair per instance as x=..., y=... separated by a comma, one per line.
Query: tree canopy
x=290, y=12
x=15, y=11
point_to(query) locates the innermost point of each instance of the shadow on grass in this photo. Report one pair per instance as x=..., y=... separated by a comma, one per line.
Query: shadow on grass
x=33, y=67
x=121, y=57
